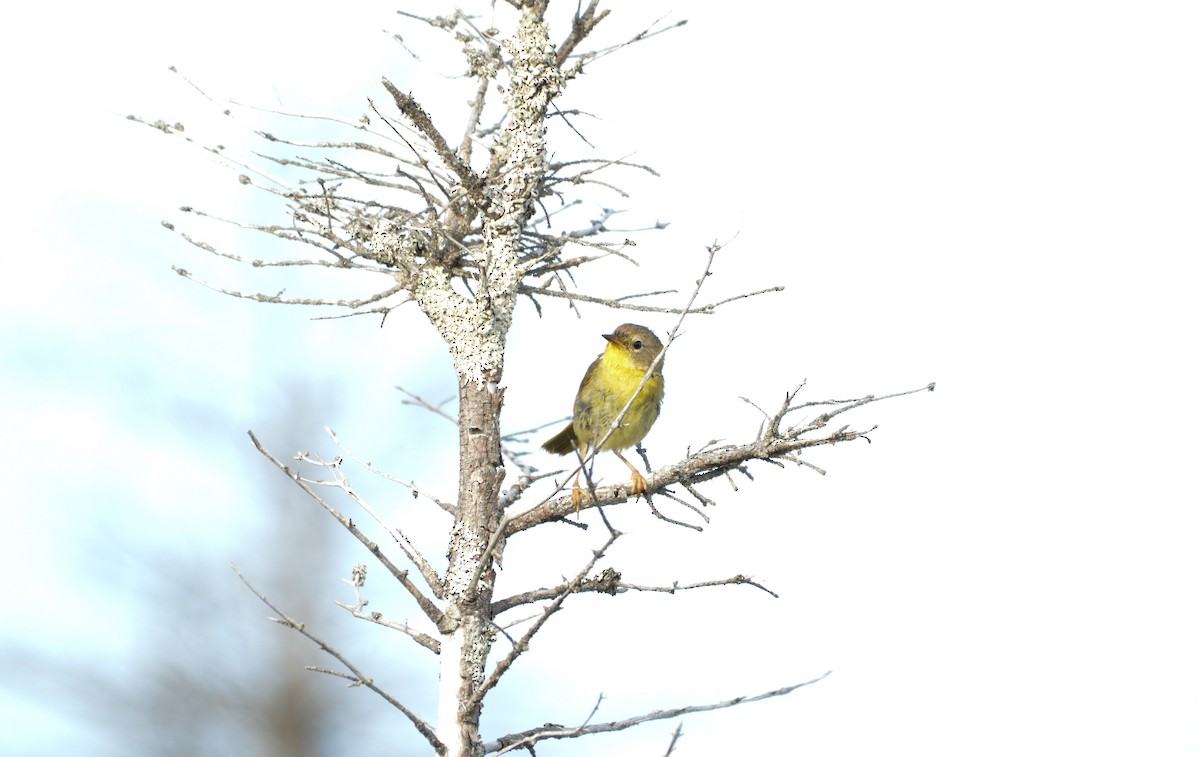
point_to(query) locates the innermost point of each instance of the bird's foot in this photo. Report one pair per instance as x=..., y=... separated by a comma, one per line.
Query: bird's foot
x=578, y=495
x=638, y=485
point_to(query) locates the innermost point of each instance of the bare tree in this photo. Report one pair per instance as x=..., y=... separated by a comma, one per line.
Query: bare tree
x=462, y=228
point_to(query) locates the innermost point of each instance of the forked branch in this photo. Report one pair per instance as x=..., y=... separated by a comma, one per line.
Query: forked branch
x=523, y=644
x=427, y=606
x=355, y=677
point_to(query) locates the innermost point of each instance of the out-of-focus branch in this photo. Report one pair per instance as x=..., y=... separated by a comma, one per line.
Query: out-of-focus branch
x=674, y=738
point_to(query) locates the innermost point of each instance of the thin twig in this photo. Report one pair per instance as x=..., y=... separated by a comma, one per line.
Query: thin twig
x=509, y=453
x=424, y=639
x=410, y=485
x=617, y=304
x=279, y=300
x=674, y=738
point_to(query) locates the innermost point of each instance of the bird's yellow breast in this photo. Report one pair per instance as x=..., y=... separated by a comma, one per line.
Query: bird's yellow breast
x=610, y=382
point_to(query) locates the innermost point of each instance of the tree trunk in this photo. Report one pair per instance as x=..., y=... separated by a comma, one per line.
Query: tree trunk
x=469, y=632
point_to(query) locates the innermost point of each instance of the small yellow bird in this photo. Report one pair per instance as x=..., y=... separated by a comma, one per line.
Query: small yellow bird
x=606, y=387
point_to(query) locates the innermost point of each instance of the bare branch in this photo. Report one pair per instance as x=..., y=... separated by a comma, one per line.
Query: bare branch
x=699, y=497
x=609, y=582
x=615, y=304
x=432, y=579
x=527, y=739
x=709, y=464
x=419, y=118
x=415, y=399
x=280, y=300
x=427, y=606
x=639, y=37
x=424, y=639
x=358, y=579
x=521, y=646
x=355, y=677
x=735, y=580
x=619, y=303
x=658, y=513
x=464, y=148
x=674, y=738
x=410, y=485
x=512, y=455
x=581, y=26
x=359, y=125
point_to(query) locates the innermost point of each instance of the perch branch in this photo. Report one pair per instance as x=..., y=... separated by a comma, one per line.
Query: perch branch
x=709, y=464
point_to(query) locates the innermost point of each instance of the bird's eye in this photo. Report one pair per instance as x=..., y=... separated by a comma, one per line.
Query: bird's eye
x=637, y=344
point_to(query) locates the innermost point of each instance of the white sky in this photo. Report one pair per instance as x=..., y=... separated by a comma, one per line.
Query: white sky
x=1001, y=198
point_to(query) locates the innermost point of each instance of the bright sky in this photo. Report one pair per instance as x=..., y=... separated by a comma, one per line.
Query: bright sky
x=1001, y=198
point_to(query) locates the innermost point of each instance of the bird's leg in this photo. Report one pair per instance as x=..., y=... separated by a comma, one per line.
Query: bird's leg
x=638, y=485
x=577, y=493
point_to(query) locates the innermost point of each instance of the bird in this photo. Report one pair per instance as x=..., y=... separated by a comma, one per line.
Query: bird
x=610, y=381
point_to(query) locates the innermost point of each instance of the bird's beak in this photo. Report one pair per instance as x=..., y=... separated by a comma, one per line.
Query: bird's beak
x=610, y=337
